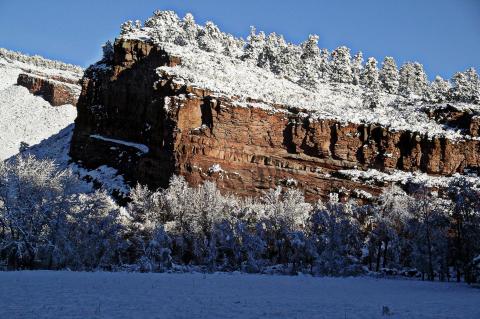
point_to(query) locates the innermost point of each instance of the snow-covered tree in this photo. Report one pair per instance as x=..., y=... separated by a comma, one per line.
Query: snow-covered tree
x=107, y=49
x=126, y=27
x=289, y=62
x=310, y=49
x=388, y=221
x=165, y=26
x=269, y=58
x=311, y=63
x=389, y=75
x=466, y=86
x=210, y=38
x=357, y=67
x=93, y=236
x=370, y=77
x=429, y=231
x=189, y=32
x=233, y=47
x=413, y=80
x=255, y=46
x=341, y=65
x=465, y=230
x=325, y=67
x=46, y=222
x=138, y=24
x=336, y=234
x=439, y=90
x=371, y=82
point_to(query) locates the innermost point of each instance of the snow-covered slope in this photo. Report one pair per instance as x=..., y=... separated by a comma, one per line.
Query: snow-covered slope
x=23, y=116
x=47, y=129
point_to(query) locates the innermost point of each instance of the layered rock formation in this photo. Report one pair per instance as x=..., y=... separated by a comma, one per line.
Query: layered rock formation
x=56, y=90
x=150, y=127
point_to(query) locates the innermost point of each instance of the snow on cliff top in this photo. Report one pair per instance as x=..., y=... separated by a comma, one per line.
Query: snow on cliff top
x=342, y=102
x=39, y=64
x=216, y=61
x=23, y=116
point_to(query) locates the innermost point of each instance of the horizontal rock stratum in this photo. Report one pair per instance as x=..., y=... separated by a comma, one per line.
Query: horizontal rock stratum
x=56, y=90
x=149, y=126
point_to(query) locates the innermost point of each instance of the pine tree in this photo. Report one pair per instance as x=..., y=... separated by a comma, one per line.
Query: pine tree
x=289, y=62
x=439, y=90
x=413, y=80
x=357, y=67
x=190, y=31
x=370, y=80
x=389, y=75
x=269, y=58
x=311, y=51
x=126, y=27
x=108, y=53
x=341, y=65
x=165, y=26
x=325, y=67
x=233, y=47
x=421, y=81
x=210, y=38
x=311, y=61
x=255, y=46
x=370, y=76
x=466, y=86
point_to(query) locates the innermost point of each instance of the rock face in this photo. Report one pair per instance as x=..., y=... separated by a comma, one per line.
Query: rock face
x=191, y=132
x=54, y=89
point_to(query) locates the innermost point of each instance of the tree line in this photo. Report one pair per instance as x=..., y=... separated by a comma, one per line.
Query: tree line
x=49, y=220
x=308, y=65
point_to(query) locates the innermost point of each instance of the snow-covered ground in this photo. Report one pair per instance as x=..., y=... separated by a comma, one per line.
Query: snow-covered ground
x=44, y=294
x=23, y=116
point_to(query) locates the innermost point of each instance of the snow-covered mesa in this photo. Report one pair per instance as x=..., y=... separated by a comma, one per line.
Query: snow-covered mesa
x=320, y=84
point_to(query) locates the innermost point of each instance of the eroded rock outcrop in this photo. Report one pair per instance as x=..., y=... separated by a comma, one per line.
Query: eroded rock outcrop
x=56, y=90
x=245, y=149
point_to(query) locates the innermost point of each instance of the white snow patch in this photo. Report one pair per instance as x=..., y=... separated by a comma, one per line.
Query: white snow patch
x=215, y=168
x=141, y=147
x=396, y=176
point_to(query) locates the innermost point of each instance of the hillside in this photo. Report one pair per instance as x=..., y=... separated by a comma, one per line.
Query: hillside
x=25, y=117
x=46, y=129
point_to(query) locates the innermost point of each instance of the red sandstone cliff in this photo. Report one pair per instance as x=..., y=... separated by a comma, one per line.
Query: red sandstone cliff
x=191, y=132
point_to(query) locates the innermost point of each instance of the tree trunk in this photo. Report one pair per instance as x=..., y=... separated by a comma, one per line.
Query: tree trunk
x=385, y=252
x=379, y=252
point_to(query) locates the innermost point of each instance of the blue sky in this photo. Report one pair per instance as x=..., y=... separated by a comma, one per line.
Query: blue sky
x=444, y=35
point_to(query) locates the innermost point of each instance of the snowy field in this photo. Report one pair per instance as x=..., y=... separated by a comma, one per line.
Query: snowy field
x=44, y=294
